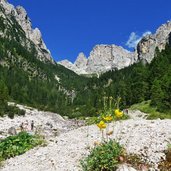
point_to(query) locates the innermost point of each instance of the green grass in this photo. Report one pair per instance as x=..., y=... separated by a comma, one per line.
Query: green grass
x=150, y=110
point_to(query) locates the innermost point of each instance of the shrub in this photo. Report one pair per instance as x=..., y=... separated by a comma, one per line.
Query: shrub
x=13, y=110
x=104, y=157
x=18, y=144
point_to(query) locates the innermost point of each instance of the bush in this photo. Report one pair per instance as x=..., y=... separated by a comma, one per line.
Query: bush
x=13, y=110
x=18, y=144
x=103, y=158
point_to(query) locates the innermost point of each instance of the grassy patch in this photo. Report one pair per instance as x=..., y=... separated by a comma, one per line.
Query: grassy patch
x=150, y=110
x=16, y=145
x=104, y=157
x=108, y=156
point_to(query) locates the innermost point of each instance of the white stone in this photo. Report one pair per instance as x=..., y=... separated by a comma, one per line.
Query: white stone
x=125, y=167
x=146, y=138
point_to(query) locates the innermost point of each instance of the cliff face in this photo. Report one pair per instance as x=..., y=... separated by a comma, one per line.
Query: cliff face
x=9, y=14
x=108, y=57
x=102, y=58
x=146, y=47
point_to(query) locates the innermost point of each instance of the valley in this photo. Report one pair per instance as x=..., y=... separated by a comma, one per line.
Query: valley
x=65, y=149
x=77, y=109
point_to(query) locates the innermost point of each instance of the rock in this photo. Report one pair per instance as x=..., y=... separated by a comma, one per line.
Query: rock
x=137, y=115
x=125, y=167
x=12, y=131
x=34, y=35
x=65, y=117
x=79, y=66
x=49, y=124
x=109, y=57
x=102, y=58
x=147, y=46
x=68, y=64
x=148, y=139
x=81, y=61
x=2, y=132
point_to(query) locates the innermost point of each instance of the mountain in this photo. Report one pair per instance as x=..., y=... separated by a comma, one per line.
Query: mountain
x=30, y=76
x=110, y=57
x=27, y=68
x=147, y=46
x=30, y=36
x=107, y=57
x=79, y=66
x=102, y=58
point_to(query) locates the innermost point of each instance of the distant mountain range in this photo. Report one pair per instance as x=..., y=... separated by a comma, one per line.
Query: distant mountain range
x=102, y=58
x=110, y=57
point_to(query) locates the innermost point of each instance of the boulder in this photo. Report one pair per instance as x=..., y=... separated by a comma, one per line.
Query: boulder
x=12, y=131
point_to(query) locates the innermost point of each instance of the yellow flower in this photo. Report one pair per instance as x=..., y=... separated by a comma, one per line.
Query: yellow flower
x=118, y=113
x=101, y=125
x=108, y=118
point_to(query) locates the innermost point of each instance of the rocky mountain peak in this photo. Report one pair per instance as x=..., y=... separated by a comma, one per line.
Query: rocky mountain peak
x=67, y=64
x=108, y=57
x=102, y=58
x=34, y=35
x=21, y=12
x=147, y=46
x=81, y=61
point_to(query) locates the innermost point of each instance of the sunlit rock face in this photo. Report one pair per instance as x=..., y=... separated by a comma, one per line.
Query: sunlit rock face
x=81, y=61
x=34, y=35
x=109, y=57
x=102, y=58
x=147, y=46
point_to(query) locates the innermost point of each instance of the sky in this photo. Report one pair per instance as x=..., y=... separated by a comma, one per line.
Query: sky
x=72, y=26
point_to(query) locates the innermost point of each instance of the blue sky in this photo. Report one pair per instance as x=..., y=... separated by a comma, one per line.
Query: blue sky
x=72, y=26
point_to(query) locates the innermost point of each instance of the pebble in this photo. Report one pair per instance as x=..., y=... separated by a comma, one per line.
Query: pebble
x=139, y=136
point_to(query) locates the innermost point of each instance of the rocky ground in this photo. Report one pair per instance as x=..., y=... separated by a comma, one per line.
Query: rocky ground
x=47, y=123
x=64, y=150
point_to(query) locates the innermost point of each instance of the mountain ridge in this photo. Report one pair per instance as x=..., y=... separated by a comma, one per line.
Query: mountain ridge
x=33, y=35
x=36, y=81
x=105, y=57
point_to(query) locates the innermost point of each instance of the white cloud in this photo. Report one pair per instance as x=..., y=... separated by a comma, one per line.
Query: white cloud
x=135, y=38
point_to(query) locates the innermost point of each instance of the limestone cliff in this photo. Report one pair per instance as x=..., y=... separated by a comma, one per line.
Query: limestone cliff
x=108, y=57
x=33, y=36
x=146, y=47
